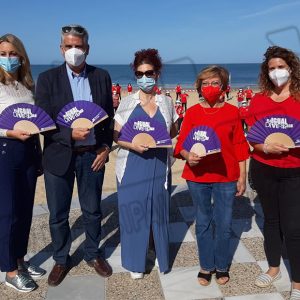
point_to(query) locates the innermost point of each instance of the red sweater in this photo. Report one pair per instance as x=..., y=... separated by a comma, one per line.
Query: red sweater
x=262, y=106
x=223, y=166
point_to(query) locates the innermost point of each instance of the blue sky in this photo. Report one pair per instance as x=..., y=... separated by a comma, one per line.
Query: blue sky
x=217, y=31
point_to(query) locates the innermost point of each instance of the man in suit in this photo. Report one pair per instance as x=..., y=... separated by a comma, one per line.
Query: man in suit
x=79, y=152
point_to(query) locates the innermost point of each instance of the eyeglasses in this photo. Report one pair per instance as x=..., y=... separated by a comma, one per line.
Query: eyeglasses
x=149, y=74
x=77, y=29
x=214, y=83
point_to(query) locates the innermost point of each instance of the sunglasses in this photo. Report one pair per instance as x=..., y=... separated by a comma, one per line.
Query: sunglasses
x=77, y=29
x=149, y=74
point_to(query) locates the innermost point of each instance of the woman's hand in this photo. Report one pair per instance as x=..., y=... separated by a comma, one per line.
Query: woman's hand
x=18, y=134
x=274, y=148
x=241, y=186
x=191, y=157
x=139, y=148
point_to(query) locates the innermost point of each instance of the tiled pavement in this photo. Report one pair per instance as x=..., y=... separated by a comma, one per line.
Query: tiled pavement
x=248, y=259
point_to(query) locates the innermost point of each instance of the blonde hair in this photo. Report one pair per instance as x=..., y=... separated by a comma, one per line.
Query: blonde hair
x=213, y=71
x=24, y=71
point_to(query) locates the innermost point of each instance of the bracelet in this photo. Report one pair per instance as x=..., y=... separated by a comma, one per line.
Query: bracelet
x=265, y=148
x=3, y=133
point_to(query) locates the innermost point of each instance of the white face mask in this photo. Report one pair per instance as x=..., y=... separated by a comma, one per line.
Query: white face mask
x=74, y=57
x=279, y=76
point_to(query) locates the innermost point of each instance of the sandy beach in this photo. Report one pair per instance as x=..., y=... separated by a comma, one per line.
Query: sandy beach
x=109, y=185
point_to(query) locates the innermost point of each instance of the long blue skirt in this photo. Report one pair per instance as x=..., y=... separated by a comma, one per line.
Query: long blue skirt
x=144, y=204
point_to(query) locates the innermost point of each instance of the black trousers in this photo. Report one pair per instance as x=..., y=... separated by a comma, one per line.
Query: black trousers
x=17, y=187
x=279, y=192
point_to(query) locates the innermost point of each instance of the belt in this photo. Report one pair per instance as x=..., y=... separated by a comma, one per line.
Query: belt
x=82, y=149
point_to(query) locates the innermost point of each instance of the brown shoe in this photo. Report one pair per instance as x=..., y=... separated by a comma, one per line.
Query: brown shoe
x=101, y=266
x=57, y=274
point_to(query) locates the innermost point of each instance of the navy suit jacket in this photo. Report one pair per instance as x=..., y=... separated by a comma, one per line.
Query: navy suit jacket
x=53, y=92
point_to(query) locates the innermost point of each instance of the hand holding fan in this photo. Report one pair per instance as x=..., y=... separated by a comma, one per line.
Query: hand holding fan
x=81, y=114
x=280, y=129
x=146, y=131
x=202, y=140
x=25, y=116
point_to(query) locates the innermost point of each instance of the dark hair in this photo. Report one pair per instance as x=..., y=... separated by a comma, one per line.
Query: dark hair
x=291, y=59
x=147, y=56
x=213, y=71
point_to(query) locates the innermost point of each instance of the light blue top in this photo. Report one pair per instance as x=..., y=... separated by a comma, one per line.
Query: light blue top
x=81, y=90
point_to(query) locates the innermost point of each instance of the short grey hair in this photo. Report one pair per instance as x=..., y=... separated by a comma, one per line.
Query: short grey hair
x=84, y=35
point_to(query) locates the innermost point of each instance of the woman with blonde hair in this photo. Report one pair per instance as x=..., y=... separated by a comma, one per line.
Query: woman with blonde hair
x=220, y=176
x=19, y=168
x=275, y=168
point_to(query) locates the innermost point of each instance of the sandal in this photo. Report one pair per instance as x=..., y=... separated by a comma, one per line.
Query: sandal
x=265, y=280
x=220, y=275
x=206, y=277
x=295, y=294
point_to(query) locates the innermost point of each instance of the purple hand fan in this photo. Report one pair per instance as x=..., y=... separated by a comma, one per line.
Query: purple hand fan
x=143, y=130
x=202, y=140
x=25, y=116
x=81, y=114
x=276, y=129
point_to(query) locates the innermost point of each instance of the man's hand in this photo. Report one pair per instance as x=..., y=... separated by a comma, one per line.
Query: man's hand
x=100, y=159
x=80, y=134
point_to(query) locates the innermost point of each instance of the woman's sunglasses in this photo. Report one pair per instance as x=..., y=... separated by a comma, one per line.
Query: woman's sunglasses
x=149, y=74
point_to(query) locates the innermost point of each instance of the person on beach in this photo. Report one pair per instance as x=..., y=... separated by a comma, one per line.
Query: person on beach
x=243, y=109
x=248, y=94
x=183, y=99
x=77, y=152
x=220, y=176
x=178, y=91
x=118, y=89
x=228, y=92
x=143, y=173
x=129, y=89
x=116, y=100
x=180, y=112
x=275, y=169
x=240, y=96
x=20, y=165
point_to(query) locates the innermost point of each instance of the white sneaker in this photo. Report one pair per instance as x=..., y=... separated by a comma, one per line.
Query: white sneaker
x=136, y=275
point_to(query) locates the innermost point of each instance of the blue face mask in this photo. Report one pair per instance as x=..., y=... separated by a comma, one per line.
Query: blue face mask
x=146, y=84
x=10, y=64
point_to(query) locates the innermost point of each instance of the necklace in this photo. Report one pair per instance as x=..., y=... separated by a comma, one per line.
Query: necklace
x=215, y=109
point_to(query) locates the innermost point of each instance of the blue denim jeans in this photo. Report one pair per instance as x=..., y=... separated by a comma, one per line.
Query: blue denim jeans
x=59, y=191
x=213, y=222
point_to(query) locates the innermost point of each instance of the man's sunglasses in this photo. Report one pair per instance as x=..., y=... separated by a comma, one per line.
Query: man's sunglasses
x=149, y=74
x=77, y=29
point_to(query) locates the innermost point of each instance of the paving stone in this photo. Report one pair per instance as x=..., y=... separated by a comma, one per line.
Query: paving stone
x=78, y=288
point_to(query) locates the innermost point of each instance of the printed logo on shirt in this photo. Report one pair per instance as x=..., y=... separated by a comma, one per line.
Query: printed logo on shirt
x=24, y=113
x=278, y=123
x=200, y=135
x=72, y=114
x=142, y=126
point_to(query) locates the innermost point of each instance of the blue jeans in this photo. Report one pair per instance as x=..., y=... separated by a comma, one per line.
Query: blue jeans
x=213, y=222
x=59, y=191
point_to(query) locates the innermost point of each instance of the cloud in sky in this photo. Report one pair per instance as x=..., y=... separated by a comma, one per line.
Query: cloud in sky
x=271, y=10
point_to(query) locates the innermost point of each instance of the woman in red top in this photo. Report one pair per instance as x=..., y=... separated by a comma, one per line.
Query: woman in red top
x=221, y=175
x=129, y=88
x=180, y=112
x=275, y=169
